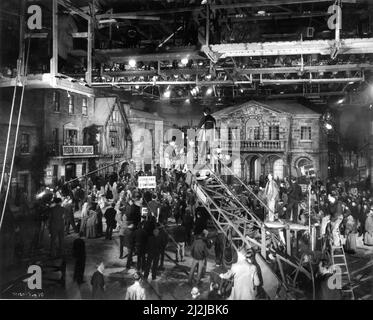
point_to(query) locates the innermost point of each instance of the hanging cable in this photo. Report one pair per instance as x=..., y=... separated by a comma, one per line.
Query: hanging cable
x=9, y=129
x=25, y=67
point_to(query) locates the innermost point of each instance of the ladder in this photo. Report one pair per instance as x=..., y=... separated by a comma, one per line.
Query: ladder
x=339, y=260
x=244, y=229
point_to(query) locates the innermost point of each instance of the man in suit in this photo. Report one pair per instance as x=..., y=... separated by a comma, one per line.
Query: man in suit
x=294, y=197
x=271, y=193
x=56, y=226
x=98, y=282
x=80, y=257
x=154, y=247
x=111, y=223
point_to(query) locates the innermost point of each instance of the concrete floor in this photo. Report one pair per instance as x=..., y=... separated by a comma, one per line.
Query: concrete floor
x=171, y=284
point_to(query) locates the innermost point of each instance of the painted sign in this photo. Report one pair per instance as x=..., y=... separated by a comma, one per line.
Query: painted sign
x=147, y=182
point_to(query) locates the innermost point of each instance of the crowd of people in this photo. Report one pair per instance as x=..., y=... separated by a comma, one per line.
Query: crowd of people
x=149, y=220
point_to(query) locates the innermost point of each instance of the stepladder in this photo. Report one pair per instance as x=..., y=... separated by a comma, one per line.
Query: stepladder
x=340, y=266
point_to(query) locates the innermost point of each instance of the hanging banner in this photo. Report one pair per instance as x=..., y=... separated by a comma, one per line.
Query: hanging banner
x=79, y=170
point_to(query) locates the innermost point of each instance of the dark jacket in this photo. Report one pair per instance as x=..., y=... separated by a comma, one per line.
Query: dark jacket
x=98, y=284
x=154, y=245
x=295, y=192
x=134, y=215
x=56, y=218
x=141, y=237
x=207, y=122
x=110, y=214
x=79, y=249
x=180, y=234
x=199, y=250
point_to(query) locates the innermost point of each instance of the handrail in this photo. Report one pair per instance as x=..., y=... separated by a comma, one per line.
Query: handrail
x=246, y=187
x=260, y=222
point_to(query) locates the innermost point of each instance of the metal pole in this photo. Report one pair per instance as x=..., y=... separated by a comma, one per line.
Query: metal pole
x=54, y=62
x=207, y=24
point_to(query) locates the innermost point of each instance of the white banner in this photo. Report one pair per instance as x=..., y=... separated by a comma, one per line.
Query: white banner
x=147, y=182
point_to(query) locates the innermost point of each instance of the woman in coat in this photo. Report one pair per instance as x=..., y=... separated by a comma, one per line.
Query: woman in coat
x=91, y=224
x=351, y=234
x=245, y=278
x=368, y=236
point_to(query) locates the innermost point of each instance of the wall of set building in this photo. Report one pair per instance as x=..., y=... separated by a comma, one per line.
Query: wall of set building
x=29, y=137
x=314, y=149
x=111, y=116
x=292, y=147
x=149, y=133
x=356, y=131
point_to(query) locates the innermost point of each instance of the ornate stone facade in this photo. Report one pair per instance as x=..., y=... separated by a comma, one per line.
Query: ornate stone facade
x=283, y=137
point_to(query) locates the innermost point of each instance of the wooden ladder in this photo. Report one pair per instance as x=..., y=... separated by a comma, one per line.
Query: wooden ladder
x=339, y=260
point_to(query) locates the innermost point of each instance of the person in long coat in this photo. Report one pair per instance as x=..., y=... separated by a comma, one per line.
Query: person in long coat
x=80, y=257
x=272, y=193
x=368, y=236
x=245, y=278
x=351, y=234
x=98, y=282
x=91, y=224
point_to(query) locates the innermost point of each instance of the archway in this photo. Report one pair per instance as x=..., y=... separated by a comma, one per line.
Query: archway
x=278, y=169
x=253, y=167
x=302, y=165
x=275, y=164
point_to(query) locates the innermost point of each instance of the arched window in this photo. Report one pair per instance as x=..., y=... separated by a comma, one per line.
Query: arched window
x=252, y=130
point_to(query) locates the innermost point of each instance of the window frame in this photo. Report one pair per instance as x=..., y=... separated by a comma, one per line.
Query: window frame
x=23, y=134
x=271, y=132
x=309, y=129
x=71, y=105
x=56, y=101
x=85, y=106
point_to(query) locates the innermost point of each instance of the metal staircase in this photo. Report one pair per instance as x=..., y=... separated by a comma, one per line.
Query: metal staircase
x=340, y=263
x=245, y=230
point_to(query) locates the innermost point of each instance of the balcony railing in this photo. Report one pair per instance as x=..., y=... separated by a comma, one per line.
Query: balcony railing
x=255, y=145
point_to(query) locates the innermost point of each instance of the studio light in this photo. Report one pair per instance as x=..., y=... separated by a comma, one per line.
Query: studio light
x=132, y=63
x=328, y=126
x=167, y=93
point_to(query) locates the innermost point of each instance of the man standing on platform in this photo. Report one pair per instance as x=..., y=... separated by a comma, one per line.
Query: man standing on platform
x=294, y=197
x=206, y=135
x=271, y=193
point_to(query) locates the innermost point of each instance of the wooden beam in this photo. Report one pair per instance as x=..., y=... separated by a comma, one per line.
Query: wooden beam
x=54, y=60
x=68, y=5
x=79, y=34
x=213, y=7
x=90, y=42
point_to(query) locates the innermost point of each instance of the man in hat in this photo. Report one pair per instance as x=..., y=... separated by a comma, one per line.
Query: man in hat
x=136, y=291
x=294, y=197
x=56, y=226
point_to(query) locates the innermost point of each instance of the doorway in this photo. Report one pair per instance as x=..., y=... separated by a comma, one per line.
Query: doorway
x=70, y=171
